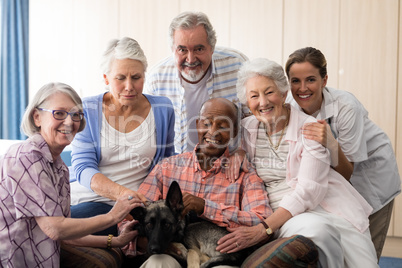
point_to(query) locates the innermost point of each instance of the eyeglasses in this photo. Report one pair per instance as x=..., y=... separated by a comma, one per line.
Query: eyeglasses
x=61, y=114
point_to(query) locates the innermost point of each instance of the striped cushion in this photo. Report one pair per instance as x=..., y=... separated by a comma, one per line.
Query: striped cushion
x=295, y=251
x=76, y=257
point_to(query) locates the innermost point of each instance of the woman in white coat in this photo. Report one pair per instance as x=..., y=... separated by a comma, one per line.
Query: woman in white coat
x=359, y=149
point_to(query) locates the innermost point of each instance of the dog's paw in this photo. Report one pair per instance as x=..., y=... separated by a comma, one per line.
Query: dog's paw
x=177, y=249
x=193, y=259
x=204, y=258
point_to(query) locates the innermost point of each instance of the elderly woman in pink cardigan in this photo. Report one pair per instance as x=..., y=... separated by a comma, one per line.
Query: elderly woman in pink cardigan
x=308, y=197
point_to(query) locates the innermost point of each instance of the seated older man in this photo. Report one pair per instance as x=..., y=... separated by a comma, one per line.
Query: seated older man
x=201, y=177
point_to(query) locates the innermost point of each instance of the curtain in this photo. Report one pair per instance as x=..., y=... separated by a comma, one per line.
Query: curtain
x=13, y=66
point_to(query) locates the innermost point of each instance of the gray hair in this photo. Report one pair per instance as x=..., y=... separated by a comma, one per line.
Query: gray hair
x=124, y=48
x=260, y=67
x=190, y=20
x=28, y=125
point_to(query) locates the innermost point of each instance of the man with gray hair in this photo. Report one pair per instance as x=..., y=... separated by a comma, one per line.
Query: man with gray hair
x=196, y=72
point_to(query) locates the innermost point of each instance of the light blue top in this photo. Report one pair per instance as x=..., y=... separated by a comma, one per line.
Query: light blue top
x=86, y=151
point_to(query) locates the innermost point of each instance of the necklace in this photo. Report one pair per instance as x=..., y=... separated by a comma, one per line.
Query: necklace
x=275, y=147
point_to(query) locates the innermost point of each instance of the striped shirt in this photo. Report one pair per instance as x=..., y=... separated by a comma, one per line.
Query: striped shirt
x=271, y=165
x=243, y=202
x=164, y=80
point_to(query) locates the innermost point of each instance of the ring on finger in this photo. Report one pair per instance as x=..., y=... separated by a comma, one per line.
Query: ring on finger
x=130, y=197
x=237, y=245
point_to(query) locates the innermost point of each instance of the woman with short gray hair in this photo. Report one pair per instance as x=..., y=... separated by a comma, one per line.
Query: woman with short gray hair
x=41, y=97
x=35, y=190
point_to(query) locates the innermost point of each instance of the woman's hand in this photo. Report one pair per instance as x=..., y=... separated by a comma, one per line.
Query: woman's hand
x=125, y=192
x=127, y=234
x=321, y=132
x=236, y=163
x=242, y=237
x=123, y=206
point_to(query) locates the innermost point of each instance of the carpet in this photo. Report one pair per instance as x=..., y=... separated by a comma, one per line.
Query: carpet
x=388, y=262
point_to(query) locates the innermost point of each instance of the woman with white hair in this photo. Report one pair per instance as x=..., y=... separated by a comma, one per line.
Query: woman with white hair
x=307, y=196
x=127, y=133
x=35, y=190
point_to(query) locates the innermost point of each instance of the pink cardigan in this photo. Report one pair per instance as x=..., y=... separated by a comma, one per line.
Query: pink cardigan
x=308, y=172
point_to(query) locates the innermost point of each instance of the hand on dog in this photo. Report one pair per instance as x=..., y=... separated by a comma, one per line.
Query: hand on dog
x=241, y=237
x=127, y=234
x=125, y=192
x=122, y=207
x=192, y=202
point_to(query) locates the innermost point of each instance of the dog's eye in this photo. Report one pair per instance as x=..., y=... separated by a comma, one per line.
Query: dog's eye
x=166, y=226
x=148, y=226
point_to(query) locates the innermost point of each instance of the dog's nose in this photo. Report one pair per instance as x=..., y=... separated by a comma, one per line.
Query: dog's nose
x=155, y=249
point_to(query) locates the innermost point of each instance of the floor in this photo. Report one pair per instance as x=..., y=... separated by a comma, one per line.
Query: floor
x=388, y=262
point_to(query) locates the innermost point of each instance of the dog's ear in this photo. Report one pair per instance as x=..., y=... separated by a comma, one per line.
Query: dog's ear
x=138, y=213
x=174, y=198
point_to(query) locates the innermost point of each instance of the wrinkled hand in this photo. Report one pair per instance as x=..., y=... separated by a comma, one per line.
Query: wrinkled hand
x=236, y=163
x=319, y=131
x=127, y=234
x=192, y=202
x=123, y=206
x=241, y=237
x=127, y=192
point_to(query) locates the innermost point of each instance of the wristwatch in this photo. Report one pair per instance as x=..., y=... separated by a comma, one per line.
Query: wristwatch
x=268, y=229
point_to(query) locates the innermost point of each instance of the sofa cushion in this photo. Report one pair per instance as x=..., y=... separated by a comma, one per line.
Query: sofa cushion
x=87, y=257
x=295, y=251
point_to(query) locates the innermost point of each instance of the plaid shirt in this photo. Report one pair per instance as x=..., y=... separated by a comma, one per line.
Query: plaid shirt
x=244, y=202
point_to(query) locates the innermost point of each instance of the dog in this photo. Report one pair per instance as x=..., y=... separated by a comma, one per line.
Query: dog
x=163, y=225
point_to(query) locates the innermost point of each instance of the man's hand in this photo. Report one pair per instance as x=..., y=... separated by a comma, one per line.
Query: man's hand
x=192, y=202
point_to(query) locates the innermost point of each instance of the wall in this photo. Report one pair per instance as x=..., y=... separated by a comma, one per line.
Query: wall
x=360, y=38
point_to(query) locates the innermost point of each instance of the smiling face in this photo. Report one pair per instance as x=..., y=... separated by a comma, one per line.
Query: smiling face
x=126, y=81
x=306, y=85
x=193, y=53
x=57, y=133
x=265, y=100
x=216, y=126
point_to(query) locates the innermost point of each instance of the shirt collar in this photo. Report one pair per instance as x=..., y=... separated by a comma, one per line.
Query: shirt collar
x=219, y=163
x=43, y=148
x=328, y=105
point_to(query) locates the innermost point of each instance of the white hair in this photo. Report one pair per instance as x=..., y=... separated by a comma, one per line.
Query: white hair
x=125, y=48
x=260, y=67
